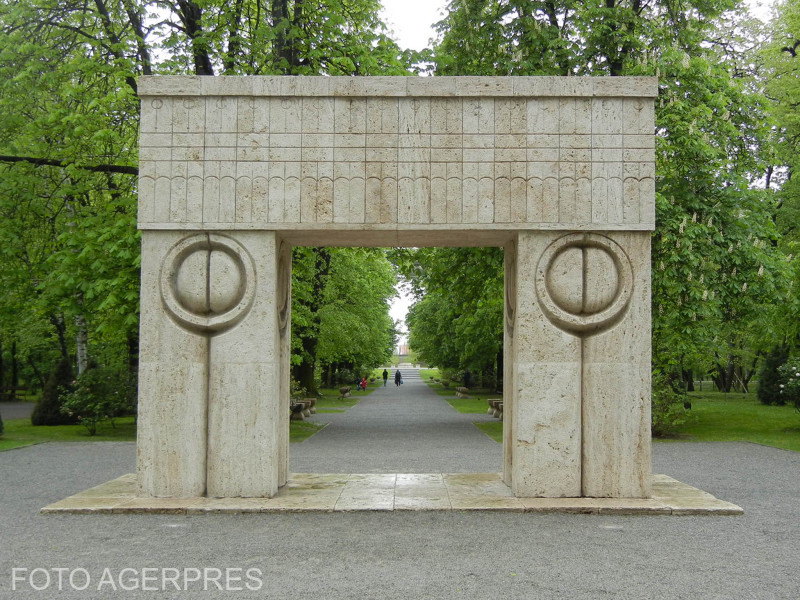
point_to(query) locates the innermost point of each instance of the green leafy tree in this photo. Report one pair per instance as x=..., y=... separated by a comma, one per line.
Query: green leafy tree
x=781, y=60
x=456, y=321
x=790, y=382
x=716, y=269
x=69, y=116
x=342, y=323
x=769, y=380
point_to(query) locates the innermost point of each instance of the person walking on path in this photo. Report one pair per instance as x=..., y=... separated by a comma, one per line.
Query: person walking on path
x=398, y=379
x=364, y=383
x=385, y=377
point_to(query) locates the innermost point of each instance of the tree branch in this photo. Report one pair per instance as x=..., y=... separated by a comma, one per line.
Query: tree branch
x=48, y=162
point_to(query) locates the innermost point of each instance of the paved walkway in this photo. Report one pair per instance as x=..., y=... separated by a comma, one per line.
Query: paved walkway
x=16, y=410
x=401, y=448
x=405, y=429
x=412, y=555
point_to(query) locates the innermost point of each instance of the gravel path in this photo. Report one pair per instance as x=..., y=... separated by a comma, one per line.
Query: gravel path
x=408, y=555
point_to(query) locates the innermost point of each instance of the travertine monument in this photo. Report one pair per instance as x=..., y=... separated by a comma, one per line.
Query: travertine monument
x=235, y=171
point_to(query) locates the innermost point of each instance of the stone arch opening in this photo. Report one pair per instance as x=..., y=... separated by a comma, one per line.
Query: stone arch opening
x=234, y=171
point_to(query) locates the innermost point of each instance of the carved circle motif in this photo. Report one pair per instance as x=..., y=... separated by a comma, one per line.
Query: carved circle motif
x=207, y=283
x=584, y=283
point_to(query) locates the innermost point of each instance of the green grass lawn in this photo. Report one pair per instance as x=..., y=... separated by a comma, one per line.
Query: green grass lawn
x=718, y=417
x=300, y=431
x=475, y=404
x=20, y=432
x=330, y=401
x=494, y=429
x=426, y=374
x=714, y=417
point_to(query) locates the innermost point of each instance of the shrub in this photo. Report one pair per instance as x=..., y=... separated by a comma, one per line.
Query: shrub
x=452, y=374
x=48, y=409
x=2, y=427
x=667, y=405
x=769, y=380
x=346, y=376
x=790, y=382
x=100, y=394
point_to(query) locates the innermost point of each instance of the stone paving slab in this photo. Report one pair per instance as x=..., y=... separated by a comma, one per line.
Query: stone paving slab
x=325, y=492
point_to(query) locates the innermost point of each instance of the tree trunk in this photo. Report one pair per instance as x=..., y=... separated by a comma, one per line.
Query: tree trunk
x=724, y=375
x=688, y=378
x=37, y=372
x=133, y=352
x=234, y=41
x=14, y=365
x=304, y=372
x=61, y=332
x=191, y=15
x=81, y=344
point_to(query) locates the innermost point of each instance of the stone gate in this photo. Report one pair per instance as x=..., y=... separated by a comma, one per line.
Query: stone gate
x=235, y=171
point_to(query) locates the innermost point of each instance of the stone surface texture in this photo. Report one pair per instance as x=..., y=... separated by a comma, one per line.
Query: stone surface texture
x=331, y=492
x=234, y=171
x=388, y=153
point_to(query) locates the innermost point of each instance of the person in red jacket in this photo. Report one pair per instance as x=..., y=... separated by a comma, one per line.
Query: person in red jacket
x=364, y=383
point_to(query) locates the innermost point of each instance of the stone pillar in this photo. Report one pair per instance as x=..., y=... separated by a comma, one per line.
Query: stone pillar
x=616, y=389
x=214, y=385
x=581, y=355
x=173, y=383
x=545, y=430
x=246, y=437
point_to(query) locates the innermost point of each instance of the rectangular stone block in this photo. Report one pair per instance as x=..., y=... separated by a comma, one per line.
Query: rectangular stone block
x=616, y=391
x=172, y=414
x=545, y=433
x=246, y=441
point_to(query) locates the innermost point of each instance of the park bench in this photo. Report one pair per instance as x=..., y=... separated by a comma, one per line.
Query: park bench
x=10, y=393
x=311, y=404
x=462, y=392
x=296, y=409
x=496, y=407
x=302, y=408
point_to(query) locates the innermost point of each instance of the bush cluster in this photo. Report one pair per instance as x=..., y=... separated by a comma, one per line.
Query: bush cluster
x=769, y=379
x=667, y=406
x=789, y=383
x=48, y=409
x=98, y=395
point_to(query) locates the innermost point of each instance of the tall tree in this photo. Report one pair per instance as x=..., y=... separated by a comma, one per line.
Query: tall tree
x=340, y=304
x=714, y=258
x=68, y=139
x=457, y=319
x=781, y=57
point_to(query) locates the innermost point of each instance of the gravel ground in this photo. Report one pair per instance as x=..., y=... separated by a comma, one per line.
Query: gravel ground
x=403, y=555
